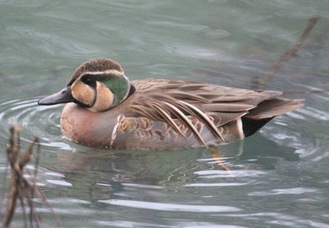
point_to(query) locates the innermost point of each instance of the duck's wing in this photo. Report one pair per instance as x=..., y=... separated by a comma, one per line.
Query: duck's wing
x=214, y=106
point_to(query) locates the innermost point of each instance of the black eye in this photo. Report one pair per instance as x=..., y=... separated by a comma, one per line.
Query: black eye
x=88, y=81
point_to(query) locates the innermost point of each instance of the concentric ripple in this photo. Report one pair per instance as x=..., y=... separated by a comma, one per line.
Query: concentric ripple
x=35, y=120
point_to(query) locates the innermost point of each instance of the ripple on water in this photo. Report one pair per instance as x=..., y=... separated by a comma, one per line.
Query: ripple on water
x=169, y=207
x=40, y=121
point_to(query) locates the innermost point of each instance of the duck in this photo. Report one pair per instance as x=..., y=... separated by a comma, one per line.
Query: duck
x=105, y=109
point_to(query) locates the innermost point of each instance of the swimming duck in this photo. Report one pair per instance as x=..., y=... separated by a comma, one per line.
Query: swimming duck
x=105, y=109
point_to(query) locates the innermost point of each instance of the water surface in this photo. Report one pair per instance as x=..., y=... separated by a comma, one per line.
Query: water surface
x=279, y=176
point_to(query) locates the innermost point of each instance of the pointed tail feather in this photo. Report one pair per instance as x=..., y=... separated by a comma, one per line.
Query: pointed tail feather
x=274, y=107
x=267, y=110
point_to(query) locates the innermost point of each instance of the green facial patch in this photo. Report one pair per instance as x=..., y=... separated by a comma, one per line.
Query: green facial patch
x=119, y=85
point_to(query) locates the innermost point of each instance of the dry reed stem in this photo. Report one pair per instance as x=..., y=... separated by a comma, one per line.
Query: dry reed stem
x=283, y=60
x=20, y=188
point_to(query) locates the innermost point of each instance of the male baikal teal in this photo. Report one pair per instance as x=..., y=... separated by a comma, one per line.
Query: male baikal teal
x=105, y=109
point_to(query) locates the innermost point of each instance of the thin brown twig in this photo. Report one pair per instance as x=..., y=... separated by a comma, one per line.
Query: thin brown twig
x=20, y=188
x=261, y=85
x=37, y=189
x=21, y=200
x=12, y=155
x=44, y=200
x=35, y=141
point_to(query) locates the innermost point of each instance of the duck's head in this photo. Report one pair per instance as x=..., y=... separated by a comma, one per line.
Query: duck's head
x=98, y=85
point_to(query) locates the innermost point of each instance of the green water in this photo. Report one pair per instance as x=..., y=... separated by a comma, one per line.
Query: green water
x=279, y=176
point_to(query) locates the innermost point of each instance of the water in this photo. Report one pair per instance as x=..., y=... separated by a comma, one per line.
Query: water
x=279, y=177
